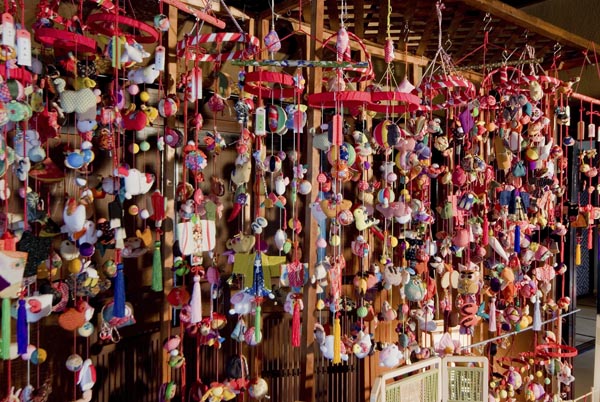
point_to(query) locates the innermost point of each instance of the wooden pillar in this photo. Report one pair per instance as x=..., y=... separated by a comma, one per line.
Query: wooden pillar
x=168, y=191
x=307, y=374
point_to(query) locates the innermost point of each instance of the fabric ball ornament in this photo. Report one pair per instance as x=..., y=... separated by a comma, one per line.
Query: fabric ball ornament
x=110, y=268
x=272, y=164
x=387, y=134
x=86, y=330
x=276, y=117
x=173, y=137
x=216, y=103
x=134, y=148
x=345, y=217
x=161, y=22
x=167, y=107
x=144, y=146
x=38, y=356
x=86, y=249
x=250, y=338
x=385, y=196
x=259, y=388
x=74, y=362
x=133, y=89
x=144, y=96
x=304, y=187
x=345, y=152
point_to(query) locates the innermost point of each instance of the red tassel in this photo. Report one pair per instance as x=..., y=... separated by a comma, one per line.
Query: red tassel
x=486, y=231
x=9, y=241
x=590, y=238
x=296, y=325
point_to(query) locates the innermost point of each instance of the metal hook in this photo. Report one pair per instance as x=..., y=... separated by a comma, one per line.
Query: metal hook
x=448, y=44
x=557, y=48
x=487, y=19
x=406, y=31
x=505, y=55
x=526, y=34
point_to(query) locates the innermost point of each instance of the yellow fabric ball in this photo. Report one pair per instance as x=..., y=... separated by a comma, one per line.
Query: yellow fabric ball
x=144, y=96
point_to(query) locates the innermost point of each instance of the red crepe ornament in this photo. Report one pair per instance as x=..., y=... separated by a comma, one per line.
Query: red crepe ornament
x=65, y=41
x=283, y=85
x=106, y=24
x=393, y=102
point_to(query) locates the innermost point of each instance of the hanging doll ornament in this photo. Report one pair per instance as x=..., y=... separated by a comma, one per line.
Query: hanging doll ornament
x=259, y=291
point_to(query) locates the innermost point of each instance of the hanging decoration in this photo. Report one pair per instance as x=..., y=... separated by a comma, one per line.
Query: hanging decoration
x=439, y=212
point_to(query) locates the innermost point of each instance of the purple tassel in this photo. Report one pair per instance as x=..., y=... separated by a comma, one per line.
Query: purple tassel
x=517, y=239
x=119, y=300
x=22, y=336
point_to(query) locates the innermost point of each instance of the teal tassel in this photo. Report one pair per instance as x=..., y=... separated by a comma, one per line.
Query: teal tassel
x=119, y=300
x=157, y=274
x=5, y=351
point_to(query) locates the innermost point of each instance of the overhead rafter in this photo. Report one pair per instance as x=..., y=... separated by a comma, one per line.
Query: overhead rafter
x=432, y=29
x=217, y=8
x=332, y=13
x=533, y=24
x=359, y=18
x=382, y=26
x=375, y=49
x=466, y=45
x=281, y=8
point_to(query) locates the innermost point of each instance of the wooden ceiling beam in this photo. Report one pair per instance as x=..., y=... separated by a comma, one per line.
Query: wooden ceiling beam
x=218, y=9
x=456, y=22
x=382, y=25
x=374, y=49
x=333, y=15
x=359, y=18
x=531, y=23
x=475, y=32
x=430, y=30
x=281, y=8
x=407, y=17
